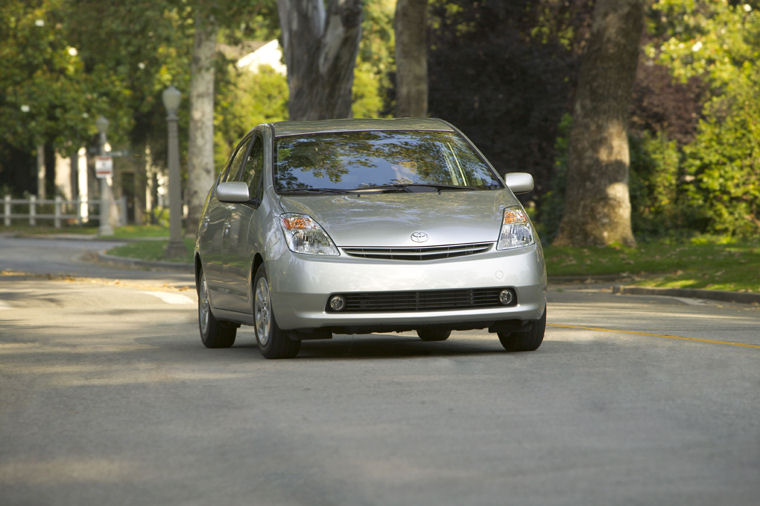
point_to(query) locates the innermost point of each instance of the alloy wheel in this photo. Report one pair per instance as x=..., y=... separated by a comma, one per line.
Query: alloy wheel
x=262, y=311
x=204, y=306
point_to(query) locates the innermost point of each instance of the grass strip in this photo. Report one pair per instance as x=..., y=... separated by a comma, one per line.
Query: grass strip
x=701, y=262
x=154, y=251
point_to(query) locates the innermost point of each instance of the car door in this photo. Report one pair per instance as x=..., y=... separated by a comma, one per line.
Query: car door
x=242, y=241
x=215, y=226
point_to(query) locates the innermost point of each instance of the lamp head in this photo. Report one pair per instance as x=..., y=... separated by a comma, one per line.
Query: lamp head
x=102, y=124
x=171, y=97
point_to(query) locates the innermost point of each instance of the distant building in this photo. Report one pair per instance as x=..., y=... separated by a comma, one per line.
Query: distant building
x=268, y=54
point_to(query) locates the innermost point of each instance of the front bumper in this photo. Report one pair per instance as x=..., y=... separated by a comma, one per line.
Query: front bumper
x=301, y=285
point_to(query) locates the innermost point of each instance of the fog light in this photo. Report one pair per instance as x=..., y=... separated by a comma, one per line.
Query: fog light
x=506, y=297
x=337, y=302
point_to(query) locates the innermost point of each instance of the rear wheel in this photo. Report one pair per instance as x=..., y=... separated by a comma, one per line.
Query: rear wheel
x=528, y=339
x=214, y=333
x=433, y=334
x=273, y=342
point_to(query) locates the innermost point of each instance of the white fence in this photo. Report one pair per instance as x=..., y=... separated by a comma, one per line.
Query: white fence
x=58, y=210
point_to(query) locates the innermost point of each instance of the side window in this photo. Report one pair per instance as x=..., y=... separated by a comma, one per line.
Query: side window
x=236, y=162
x=254, y=168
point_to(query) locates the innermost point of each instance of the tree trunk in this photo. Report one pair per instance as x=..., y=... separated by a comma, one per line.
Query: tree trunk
x=597, y=205
x=320, y=46
x=411, y=58
x=139, y=164
x=200, y=151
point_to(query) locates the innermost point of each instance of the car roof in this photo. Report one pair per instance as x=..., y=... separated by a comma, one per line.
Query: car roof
x=288, y=128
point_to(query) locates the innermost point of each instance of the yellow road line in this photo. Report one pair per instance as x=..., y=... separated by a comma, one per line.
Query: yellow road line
x=650, y=334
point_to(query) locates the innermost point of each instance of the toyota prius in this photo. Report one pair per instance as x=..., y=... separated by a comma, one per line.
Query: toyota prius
x=358, y=226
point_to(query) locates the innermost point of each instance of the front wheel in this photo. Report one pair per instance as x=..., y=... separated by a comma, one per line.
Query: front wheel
x=273, y=342
x=214, y=333
x=524, y=340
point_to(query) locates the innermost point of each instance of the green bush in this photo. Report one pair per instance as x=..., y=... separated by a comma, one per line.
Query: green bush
x=723, y=167
x=719, y=43
x=656, y=206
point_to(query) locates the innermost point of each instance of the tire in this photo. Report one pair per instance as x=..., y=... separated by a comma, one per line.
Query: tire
x=214, y=333
x=272, y=340
x=433, y=334
x=525, y=340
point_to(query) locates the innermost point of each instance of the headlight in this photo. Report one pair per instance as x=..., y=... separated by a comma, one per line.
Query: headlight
x=304, y=235
x=516, y=230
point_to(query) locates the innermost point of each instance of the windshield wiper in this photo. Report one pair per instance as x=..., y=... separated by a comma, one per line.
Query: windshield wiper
x=313, y=191
x=411, y=188
x=441, y=187
x=381, y=188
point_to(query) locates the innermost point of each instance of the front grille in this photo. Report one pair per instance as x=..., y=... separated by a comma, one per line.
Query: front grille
x=425, y=253
x=430, y=300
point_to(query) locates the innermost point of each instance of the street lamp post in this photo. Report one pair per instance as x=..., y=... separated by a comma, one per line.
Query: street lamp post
x=105, y=190
x=176, y=248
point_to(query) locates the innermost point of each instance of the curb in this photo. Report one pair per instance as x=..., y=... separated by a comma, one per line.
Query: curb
x=692, y=293
x=132, y=262
x=597, y=278
x=58, y=237
x=80, y=237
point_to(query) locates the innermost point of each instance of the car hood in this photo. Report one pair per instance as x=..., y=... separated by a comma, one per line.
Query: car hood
x=389, y=219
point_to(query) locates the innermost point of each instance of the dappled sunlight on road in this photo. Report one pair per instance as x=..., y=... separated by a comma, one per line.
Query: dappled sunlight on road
x=132, y=377
x=126, y=372
x=68, y=335
x=71, y=470
x=66, y=348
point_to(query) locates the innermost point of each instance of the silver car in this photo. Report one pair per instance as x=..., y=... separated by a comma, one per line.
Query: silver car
x=358, y=226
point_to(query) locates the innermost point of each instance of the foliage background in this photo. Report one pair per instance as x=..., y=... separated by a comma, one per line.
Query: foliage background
x=503, y=72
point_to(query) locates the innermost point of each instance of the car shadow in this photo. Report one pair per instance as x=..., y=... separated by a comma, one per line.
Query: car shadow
x=388, y=346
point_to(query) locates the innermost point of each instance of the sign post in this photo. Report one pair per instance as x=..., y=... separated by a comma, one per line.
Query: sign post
x=103, y=172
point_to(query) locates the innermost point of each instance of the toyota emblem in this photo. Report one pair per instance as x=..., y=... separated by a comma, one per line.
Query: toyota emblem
x=419, y=236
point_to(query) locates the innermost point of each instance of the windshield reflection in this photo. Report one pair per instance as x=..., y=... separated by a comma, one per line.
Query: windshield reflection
x=363, y=160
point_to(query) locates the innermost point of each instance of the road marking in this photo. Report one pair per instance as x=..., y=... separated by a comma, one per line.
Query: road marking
x=172, y=298
x=4, y=305
x=650, y=334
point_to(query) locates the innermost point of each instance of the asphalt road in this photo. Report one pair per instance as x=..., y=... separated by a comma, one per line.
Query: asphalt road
x=71, y=257
x=108, y=397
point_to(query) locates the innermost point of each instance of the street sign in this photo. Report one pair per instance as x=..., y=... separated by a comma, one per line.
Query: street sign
x=103, y=166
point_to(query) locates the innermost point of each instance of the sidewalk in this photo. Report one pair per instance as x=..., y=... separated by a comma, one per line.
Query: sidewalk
x=64, y=236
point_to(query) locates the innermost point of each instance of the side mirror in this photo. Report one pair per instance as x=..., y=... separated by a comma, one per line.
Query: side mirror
x=233, y=192
x=519, y=182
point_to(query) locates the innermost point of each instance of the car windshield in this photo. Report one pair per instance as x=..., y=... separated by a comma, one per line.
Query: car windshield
x=379, y=161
